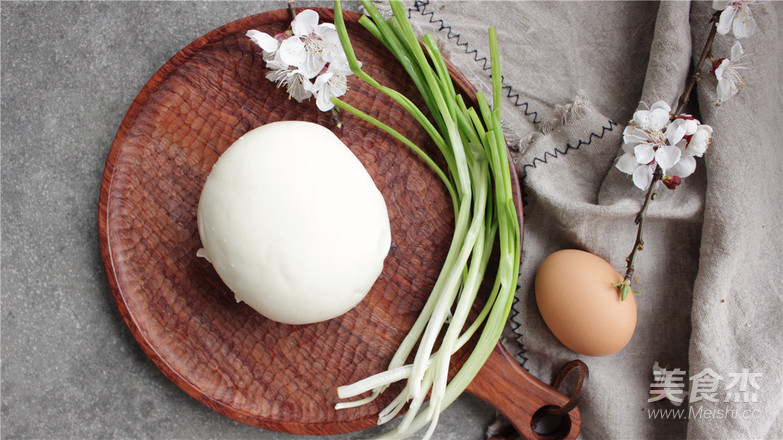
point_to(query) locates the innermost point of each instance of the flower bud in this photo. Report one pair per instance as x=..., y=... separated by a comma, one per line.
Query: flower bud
x=671, y=182
x=700, y=141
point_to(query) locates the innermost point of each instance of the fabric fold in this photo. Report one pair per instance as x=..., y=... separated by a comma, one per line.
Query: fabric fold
x=737, y=303
x=710, y=285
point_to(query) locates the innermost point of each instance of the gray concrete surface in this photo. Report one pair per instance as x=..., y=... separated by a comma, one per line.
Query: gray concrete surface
x=70, y=367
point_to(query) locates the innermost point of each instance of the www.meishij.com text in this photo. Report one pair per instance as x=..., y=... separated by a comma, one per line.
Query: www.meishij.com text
x=700, y=412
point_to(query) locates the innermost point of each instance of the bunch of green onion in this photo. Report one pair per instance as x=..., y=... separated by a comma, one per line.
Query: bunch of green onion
x=478, y=180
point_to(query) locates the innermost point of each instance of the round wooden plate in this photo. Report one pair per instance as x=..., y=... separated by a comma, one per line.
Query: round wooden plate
x=221, y=352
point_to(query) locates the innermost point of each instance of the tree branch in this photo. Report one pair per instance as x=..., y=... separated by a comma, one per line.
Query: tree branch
x=682, y=102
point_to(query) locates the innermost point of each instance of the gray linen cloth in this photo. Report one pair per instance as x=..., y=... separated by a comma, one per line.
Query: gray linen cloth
x=711, y=303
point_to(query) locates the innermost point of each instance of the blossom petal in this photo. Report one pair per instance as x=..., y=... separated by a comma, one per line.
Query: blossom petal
x=274, y=62
x=720, y=70
x=322, y=80
x=627, y=163
x=328, y=34
x=744, y=25
x=324, y=101
x=661, y=105
x=643, y=176
x=667, y=155
x=700, y=140
x=323, y=91
x=339, y=85
x=684, y=168
x=329, y=85
x=676, y=131
x=339, y=66
x=641, y=118
x=299, y=87
x=691, y=125
x=726, y=89
x=726, y=19
x=634, y=135
x=312, y=64
x=292, y=52
x=265, y=41
x=644, y=152
x=304, y=23
x=660, y=118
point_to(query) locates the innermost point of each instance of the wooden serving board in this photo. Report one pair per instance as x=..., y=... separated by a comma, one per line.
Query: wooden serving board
x=221, y=352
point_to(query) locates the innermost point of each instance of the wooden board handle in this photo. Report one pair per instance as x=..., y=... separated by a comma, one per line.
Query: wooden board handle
x=510, y=389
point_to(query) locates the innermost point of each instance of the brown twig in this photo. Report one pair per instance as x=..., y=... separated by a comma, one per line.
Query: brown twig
x=292, y=9
x=705, y=53
x=625, y=285
x=338, y=123
x=682, y=102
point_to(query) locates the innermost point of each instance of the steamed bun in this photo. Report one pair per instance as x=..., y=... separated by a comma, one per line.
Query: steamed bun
x=293, y=223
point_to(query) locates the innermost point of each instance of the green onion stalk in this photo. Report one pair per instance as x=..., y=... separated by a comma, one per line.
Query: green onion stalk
x=477, y=177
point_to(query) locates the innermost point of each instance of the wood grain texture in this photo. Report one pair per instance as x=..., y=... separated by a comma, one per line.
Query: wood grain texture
x=221, y=352
x=504, y=384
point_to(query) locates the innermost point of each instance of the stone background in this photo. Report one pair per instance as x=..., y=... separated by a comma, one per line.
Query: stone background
x=70, y=367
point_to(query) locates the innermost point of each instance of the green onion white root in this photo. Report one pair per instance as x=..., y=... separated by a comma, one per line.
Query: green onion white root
x=478, y=180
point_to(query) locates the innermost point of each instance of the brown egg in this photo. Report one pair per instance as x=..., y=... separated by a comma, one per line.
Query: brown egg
x=580, y=306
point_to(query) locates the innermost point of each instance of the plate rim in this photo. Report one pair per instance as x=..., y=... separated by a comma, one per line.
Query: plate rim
x=159, y=77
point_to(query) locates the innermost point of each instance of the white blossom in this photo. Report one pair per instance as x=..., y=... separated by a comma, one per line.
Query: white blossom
x=694, y=142
x=727, y=71
x=700, y=140
x=333, y=82
x=266, y=42
x=653, y=139
x=295, y=81
x=736, y=17
x=641, y=174
x=307, y=60
x=655, y=118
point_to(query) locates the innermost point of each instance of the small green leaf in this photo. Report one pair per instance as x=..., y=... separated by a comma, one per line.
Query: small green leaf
x=625, y=288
